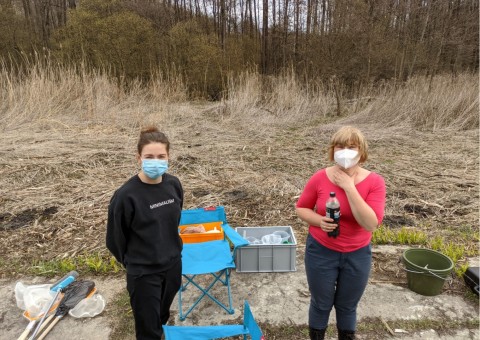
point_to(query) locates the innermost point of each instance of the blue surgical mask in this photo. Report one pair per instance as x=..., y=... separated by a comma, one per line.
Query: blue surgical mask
x=154, y=168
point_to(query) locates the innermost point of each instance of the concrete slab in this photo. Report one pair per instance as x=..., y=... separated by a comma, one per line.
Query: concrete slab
x=275, y=298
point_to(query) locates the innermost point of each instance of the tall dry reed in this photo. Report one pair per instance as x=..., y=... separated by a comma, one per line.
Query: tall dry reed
x=49, y=93
x=53, y=94
x=445, y=102
x=276, y=100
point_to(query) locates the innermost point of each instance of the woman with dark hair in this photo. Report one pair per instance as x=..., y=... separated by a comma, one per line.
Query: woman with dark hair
x=338, y=261
x=142, y=234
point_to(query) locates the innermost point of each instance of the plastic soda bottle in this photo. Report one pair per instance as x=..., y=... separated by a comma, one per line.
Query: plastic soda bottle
x=333, y=211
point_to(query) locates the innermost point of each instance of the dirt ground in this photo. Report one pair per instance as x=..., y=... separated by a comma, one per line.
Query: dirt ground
x=56, y=179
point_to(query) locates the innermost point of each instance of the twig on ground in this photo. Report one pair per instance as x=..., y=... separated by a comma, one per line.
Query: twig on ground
x=387, y=327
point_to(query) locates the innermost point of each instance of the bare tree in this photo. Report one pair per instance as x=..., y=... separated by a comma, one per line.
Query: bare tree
x=264, y=51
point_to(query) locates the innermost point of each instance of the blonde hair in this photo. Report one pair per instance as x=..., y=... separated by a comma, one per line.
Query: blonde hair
x=348, y=136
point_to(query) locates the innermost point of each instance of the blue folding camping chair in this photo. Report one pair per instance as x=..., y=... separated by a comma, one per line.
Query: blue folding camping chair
x=213, y=259
x=249, y=327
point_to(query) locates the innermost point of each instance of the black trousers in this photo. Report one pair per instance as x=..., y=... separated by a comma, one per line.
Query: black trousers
x=151, y=296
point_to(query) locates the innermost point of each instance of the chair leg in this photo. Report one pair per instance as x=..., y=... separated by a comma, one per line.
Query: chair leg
x=206, y=292
x=230, y=304
x=180, y=310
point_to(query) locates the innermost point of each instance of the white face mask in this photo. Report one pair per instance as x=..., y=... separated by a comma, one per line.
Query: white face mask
x=346, y=158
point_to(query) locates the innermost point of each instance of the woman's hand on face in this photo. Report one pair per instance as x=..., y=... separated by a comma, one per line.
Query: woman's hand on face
x=343, y=180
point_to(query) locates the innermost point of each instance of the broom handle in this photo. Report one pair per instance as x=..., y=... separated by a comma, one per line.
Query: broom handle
x=47, y=321
x=32, y=322
x=27, y=330
x=58, y=289
x=49, y=328
x=57, y=319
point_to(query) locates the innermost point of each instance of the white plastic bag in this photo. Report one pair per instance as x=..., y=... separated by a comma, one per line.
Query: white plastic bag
x=88, y=307
x=271, y=239
x=19, y=292
x=283, y=234
x=33, y=298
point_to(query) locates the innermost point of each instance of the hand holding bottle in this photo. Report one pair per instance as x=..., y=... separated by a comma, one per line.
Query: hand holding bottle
x=333, y=211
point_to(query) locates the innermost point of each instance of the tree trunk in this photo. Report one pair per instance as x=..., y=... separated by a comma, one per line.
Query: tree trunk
x=420, y=42
x=222, y=24
x=264, y=56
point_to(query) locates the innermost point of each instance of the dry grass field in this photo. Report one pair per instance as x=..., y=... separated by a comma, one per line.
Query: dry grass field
x=68, y=141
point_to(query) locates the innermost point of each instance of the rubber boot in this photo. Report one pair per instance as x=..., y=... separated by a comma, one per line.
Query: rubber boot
x=317, y=334
x=346, y=335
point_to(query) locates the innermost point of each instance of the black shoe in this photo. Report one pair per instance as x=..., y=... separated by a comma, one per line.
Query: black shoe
x=346, y=335
x=317, y=334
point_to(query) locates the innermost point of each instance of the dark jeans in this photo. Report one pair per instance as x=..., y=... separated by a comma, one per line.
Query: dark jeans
x=151, y=296
x=335, y=280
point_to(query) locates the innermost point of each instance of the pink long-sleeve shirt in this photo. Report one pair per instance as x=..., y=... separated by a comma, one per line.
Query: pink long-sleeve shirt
x=352, y=236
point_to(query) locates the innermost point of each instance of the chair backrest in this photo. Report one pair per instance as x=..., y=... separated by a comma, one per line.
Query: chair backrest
x=249, y=322
x=213, y=214
x=203, y=215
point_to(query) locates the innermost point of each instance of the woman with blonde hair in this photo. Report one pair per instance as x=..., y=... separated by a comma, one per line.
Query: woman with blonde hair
x=338, y=261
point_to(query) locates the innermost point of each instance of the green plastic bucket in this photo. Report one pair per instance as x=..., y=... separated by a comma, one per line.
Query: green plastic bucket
x=426, y=270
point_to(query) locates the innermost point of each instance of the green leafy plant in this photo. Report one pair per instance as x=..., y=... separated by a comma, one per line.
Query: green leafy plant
x=410, y=236
x=460, y=270
x=95, y=264
x=436, y=243
x=383, y=235
x=66, y=265
x=91, y=263
x=454, y=251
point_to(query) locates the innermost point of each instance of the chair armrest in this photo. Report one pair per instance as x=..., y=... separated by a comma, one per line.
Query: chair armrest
x=233, y=236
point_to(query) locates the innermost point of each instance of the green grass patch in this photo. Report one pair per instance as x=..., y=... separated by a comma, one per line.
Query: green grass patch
x=288, y=331
x=95, y=264
x=376, y=326
x=123, y=325
x=370, y=328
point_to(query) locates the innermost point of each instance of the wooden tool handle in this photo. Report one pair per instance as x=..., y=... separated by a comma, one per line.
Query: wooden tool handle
x=27, y=330
x=49, y=328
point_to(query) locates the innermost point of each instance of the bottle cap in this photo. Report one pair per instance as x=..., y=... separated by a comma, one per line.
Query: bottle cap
x=332, y=194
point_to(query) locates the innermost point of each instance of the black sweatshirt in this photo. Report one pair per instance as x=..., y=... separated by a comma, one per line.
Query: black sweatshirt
x=142, y=226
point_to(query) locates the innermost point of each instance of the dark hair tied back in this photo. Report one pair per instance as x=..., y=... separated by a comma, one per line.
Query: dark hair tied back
x=151, y=134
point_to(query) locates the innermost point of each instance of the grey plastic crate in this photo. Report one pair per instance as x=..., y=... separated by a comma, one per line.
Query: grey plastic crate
x=256, y=258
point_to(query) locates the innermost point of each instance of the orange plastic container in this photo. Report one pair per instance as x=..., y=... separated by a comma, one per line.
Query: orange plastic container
x=202, y=237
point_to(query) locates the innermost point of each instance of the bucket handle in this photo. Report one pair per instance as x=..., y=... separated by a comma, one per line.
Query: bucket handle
x=442, y=278
x=450, y=279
